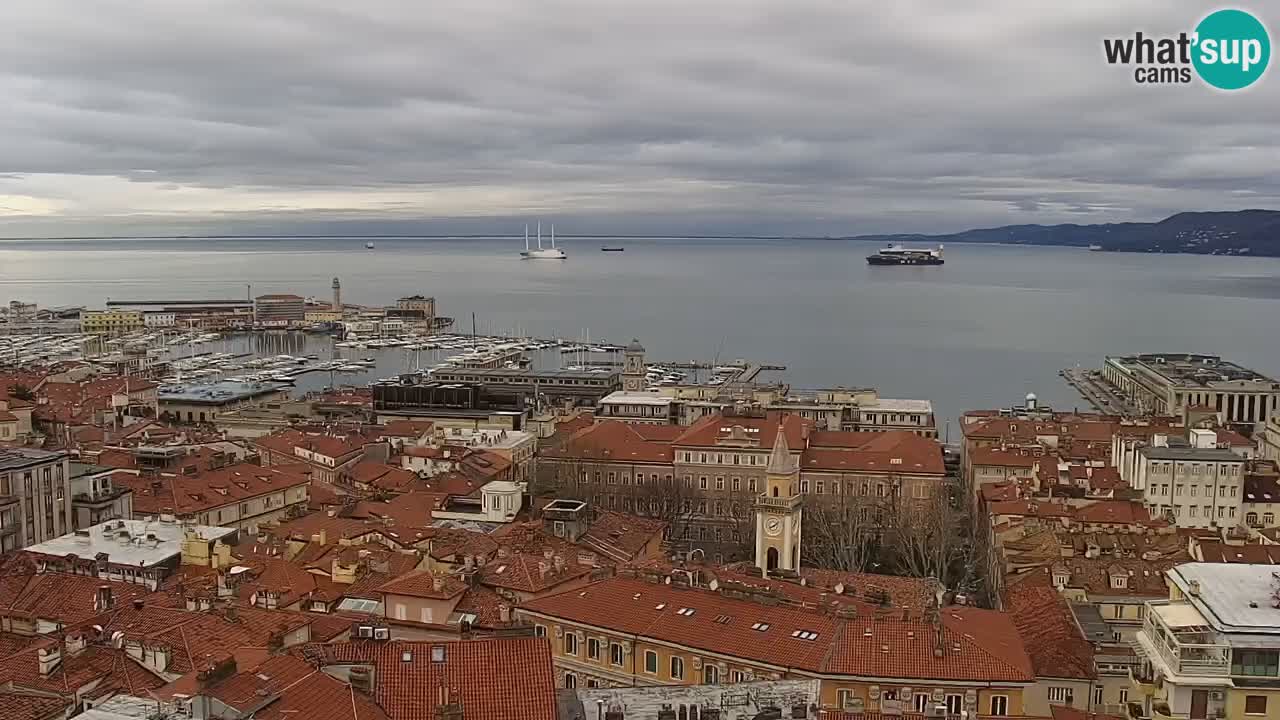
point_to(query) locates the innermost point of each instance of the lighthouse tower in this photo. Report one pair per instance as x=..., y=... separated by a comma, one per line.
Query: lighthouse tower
x=337, y=295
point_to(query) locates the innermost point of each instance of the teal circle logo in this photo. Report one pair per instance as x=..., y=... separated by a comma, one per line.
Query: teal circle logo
x=1232, y=49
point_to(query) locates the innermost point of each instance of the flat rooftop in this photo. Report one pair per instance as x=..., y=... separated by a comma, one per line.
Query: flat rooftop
x=1195, y=371
x=1234, y=598
x=899, y=405
x=14, y=458
x=218, y=393
x=485, y=438
x=519, y=375
x=1191, y=453
x=140, y=543
x=623, y=397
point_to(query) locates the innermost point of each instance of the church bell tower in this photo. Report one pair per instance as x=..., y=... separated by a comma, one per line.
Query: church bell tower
x=778, y=511
x=633, y=367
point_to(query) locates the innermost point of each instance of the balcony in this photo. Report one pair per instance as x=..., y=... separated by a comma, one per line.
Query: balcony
x=1176, y=636
x=779, y=503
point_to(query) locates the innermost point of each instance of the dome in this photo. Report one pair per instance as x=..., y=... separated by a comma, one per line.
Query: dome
x=635, y=346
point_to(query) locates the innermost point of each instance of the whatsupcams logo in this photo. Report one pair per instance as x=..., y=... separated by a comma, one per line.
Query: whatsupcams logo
x=1228, y=50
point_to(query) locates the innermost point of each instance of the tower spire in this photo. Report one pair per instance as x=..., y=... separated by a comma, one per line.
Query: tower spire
x=780, y=460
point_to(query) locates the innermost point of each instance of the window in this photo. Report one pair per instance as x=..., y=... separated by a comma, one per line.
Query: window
x=1251, y=518
x=570, y=644
x=570, y=680
x=920, y=702
x=702, y=482
x=1263, y=663
x=1124, y=695
x=651, y=662
x=751, y=484
x=540, y=630
x=615, y=654
x=677, y=668
x=955, y=704
x=1060, y=695
x=719, y=482
x=845, y=699
x=737, y=484
x=593, y=683
x=737, y=676
x=1255, y=704
x=1000, y=705
x=1268, y=519
x=1097, y=695
x=710, y=675
x=593, y=648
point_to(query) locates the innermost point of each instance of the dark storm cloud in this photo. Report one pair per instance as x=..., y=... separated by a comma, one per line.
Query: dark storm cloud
x=820, y=115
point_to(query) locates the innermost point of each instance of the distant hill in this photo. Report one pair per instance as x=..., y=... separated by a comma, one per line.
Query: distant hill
x=1243, y=232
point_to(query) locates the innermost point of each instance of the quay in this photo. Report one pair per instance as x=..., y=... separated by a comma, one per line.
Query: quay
x=1098, y=392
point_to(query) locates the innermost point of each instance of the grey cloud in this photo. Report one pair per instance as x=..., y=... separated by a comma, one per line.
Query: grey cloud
x=823, y=115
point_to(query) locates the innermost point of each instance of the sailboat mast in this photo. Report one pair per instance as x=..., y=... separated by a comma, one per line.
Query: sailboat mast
x=553, y=236
x=526, y=237
x=539, y=234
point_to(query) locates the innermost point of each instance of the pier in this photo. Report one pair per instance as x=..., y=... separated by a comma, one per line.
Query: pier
x=1098, y=392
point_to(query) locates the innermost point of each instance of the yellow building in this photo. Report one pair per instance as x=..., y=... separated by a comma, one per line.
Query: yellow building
x=111, y=322
x=322, y=316
x=655, y=629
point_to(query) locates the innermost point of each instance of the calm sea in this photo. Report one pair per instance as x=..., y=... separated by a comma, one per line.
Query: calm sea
x=993, y=324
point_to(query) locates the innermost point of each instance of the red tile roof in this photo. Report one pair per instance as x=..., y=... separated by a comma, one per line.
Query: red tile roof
x=424, y=584
x=621, y=537
x=21, y=706
x=1120, y=512
x=61, y=597
x=1055, y=642
x=190, y=494
x=612, y=440
x=706, y=432
x=493, y=679
x=975, y=645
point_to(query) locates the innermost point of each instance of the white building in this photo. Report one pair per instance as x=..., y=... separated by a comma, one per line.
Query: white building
x=1269, y=444
x=1197, y=485
x=496, y=502
x=1212, y=650
x=159, y=319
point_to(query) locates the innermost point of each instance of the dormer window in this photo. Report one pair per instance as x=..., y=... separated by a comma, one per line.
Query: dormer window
x=1060, y=579
x=1119, y=582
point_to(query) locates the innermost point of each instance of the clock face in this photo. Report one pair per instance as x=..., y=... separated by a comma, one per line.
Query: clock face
x=773, y=526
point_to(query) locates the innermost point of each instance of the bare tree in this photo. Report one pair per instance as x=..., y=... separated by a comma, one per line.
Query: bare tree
x=935, y=537
x=842, y=532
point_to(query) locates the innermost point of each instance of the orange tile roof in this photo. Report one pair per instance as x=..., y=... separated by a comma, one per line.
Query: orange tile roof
x=493, y=679
x=21, y=706
x=61, y=597
x=705, y=432
x=190, y=494
x=527, y=572
x=422, y=584
x=612, y=440
x=620, y=537
x=1057, y=647
x=1121, y=512
x=975, y=645
x=109, y=668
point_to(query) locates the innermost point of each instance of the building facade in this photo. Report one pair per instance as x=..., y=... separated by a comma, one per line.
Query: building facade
x=35, y=497
x=280, y=310
x=1168, y=384
x=1199, y=487
x=1212, y=650
x=111, y=322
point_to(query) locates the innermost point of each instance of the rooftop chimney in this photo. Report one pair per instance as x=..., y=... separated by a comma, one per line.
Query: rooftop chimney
x=49, y=659
x=437, y=584
x=103, y=600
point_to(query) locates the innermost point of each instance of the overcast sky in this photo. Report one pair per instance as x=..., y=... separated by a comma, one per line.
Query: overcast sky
x=805, y=116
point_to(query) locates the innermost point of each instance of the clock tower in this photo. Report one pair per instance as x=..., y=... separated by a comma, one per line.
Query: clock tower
x=778, y=511
x=633, y=367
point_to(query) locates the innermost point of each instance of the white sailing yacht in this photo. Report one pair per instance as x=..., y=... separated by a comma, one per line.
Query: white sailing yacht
x=541, y=253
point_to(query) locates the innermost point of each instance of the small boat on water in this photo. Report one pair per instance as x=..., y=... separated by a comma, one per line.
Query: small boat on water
x=368, y=246
x=898, y=255
x=1095, y=248
x=612, y=249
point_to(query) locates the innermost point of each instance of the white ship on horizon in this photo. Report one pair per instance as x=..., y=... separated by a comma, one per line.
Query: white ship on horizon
x=542, y=253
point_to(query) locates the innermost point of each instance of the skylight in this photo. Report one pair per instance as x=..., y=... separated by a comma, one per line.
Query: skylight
x=760, y=626
x=685, y=611
x=805, y=635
